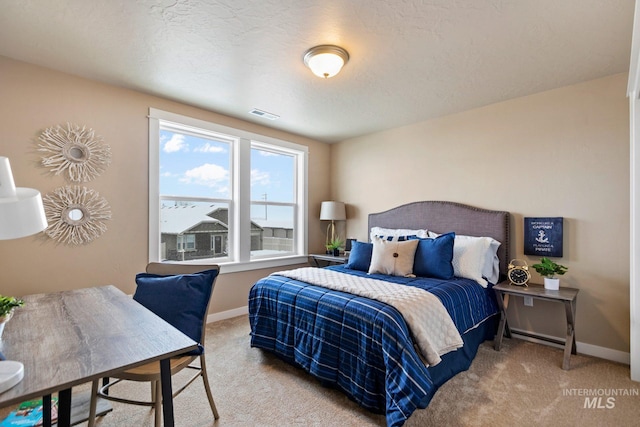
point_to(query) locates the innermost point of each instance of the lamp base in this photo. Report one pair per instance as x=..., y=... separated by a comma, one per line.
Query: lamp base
x=11, y=373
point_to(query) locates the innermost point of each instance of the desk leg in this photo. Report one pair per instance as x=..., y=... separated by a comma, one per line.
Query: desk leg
x=503, y=304
x=46, y=410
x=570, y=343
x=167, y=398
x=64, y=408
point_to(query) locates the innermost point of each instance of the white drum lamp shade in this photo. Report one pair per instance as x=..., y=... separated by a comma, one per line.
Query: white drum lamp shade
x=332, y=211
x=21, y=210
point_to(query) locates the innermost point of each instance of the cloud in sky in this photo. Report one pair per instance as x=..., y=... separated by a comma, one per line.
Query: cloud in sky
x=176, y=143
x=209, y=175
x=259, y=177
x=210, y=148
x=265, y=153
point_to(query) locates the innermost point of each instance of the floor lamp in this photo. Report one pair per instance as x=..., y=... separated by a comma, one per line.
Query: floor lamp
x=332, y=211
x=21, y=214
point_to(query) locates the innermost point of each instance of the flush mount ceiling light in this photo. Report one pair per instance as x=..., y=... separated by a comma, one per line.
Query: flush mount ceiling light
x=326, y=60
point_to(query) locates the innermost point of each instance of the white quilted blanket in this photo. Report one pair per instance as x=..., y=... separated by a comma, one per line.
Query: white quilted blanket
x=428, y=320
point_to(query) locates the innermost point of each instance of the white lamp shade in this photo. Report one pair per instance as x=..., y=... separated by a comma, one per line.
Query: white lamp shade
x=21, y=210
x=332, y=211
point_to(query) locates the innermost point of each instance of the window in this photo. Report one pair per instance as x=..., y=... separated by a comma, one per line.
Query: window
x=186, y=242
x=224, y=195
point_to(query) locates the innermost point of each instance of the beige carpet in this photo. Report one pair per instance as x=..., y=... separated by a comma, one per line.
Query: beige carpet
x=521, y=385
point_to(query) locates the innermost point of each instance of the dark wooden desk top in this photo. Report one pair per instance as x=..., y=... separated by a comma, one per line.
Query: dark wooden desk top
x=537, y=291
x=69, y=338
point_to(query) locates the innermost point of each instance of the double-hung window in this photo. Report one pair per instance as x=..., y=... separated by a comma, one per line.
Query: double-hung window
x=223, y=195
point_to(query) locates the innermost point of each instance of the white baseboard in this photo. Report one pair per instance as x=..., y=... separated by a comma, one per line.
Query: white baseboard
x=604, y=353
x=582, y=348
x=215, y=317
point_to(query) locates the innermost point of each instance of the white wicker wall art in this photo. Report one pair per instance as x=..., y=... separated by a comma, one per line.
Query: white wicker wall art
x=75, y=151
x=76, y=215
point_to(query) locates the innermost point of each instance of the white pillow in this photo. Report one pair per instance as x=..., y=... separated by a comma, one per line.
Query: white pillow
x=475, y=258
x=396, y=233
x=491, y=270
x=392, y=257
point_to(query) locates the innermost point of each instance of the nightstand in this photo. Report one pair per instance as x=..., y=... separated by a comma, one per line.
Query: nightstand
x=567, y=296
x=322, y=260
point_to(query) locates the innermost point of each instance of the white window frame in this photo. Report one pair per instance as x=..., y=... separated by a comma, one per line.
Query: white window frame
x=239, y=217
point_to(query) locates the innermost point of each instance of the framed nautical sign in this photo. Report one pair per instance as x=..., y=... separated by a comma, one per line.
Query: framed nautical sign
x=543, y=236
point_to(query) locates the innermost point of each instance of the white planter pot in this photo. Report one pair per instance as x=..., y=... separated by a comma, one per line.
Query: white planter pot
x=3, y=321
x=551, y=284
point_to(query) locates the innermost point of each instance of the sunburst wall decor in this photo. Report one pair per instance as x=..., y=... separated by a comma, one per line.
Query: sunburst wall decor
x=76, y=215
x=75, y=151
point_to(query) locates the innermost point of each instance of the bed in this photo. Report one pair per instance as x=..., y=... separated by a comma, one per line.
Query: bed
x=368, y=347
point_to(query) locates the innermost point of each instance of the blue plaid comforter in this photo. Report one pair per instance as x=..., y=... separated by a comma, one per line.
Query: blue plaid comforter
x=360, y=345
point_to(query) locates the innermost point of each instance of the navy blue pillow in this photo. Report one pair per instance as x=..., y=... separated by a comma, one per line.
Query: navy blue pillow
x=180, y=300
x=433, y=257
x=360, y=256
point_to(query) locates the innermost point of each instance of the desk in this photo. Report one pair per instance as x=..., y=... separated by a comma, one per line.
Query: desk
x=567, y=296
x=70, y=338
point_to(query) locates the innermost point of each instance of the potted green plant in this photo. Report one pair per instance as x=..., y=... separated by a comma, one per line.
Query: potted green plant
x=549, y=269
x=7, y=304
x=333, y=247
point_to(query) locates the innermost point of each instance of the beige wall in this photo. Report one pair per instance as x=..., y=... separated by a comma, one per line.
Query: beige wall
x=559, y=153
x=34, y=99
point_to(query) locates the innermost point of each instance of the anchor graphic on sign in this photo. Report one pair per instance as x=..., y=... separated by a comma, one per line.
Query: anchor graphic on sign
x=542, y=238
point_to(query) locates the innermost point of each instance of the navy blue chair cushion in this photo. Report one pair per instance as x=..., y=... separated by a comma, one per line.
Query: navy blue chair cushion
x=180, y=300
x=360, y=256
x=433, y=257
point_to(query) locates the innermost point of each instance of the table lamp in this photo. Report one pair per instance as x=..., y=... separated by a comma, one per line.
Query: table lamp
x=21, y=214
x=332, y=211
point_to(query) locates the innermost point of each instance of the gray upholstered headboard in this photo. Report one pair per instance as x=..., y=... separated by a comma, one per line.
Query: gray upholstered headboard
x=442, y=217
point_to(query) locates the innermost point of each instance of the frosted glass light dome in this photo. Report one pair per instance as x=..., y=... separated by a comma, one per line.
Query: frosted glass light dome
x=326, y=60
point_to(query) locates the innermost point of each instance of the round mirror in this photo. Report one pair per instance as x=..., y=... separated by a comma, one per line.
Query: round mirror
x=76, y=153
x=74, y=150
x=75, y=214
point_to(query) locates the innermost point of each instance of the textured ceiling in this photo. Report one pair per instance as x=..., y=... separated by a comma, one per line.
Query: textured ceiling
x=410, y=60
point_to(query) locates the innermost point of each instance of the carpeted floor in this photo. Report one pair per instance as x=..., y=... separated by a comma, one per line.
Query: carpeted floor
x=522, y=384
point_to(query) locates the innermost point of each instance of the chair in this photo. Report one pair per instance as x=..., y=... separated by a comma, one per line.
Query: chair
x=180, y=294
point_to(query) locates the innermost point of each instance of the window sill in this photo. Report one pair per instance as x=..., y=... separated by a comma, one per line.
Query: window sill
x=234, y=267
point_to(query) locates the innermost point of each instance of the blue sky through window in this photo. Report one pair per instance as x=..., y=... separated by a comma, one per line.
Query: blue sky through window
x=199, y=166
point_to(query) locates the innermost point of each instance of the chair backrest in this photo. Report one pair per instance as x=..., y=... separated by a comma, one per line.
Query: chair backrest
x=165, y=307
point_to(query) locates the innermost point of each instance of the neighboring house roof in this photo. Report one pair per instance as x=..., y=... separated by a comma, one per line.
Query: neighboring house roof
x=183, y=218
